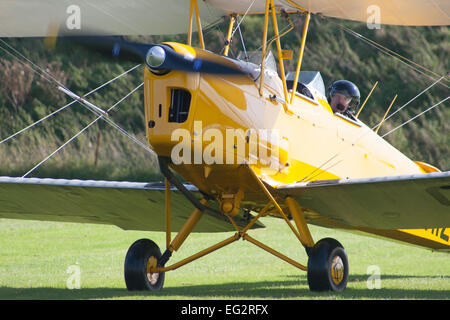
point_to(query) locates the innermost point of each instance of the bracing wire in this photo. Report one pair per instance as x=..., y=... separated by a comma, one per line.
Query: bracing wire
x=408, y=62
x=310, y=176
x=44, y=74
x=425, y=90
x=243, y=17
x=405, y=61
x=98, y=111
x=396, y=128
x=243, y=44
x=416, y=116
x=67, y=105
x=79, y=133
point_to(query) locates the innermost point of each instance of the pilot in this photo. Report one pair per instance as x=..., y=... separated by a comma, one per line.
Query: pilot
x=343, y=97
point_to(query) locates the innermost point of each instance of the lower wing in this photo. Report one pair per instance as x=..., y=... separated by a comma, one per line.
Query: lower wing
x=128, y=205
x=410, y=208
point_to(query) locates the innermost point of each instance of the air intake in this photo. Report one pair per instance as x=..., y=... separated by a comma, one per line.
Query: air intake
x=180, y=101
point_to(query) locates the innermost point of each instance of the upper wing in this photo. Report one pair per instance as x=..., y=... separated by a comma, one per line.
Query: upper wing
x=128, y=205
x=397, y=12
x=40, y=18
x=398, y=202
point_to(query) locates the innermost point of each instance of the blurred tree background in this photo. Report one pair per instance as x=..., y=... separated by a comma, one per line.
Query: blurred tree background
x=103, y=153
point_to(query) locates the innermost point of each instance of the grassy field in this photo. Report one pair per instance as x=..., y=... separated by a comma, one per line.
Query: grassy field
x=38, y=259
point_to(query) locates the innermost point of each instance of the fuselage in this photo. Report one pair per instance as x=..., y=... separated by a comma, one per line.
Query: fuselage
x=210, y=124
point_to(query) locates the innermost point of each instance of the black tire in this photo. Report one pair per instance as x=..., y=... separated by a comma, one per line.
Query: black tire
x=136, y=276
x=327, y=266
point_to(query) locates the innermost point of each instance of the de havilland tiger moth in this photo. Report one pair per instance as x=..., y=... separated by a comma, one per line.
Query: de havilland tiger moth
x=250, y=139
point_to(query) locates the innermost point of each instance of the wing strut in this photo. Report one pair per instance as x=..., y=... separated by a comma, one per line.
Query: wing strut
x=229, y=34
x=194, y=6
x=280, y=53
x=300, y=55
x=264, y=46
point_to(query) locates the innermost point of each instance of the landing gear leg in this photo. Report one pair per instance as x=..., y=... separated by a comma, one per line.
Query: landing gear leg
x=144, y=263
x=327, y=260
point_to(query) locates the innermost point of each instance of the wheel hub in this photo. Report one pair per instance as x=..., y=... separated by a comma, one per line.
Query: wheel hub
x=151, y=265
x=337, y=270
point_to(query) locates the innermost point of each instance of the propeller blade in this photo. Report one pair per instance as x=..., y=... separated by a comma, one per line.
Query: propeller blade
x=160, y=57
x=114, y=46
x=163, y=57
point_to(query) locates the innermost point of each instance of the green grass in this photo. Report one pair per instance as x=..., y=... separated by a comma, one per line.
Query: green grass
x=35, y=257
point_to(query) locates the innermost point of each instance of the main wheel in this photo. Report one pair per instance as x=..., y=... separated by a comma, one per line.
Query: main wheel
x=327, y=266
x=141, y=256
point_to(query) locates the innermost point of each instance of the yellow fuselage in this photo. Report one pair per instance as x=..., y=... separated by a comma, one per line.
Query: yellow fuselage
x=312, y=143
x=218, y=133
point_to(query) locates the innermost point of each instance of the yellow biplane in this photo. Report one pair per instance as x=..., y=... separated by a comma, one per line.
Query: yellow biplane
x=251, y=141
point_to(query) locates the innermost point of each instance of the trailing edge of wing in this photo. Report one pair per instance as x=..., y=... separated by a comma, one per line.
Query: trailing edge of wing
x=397, y=202
x=128, y=205
x=41, y=18
x=395, y=12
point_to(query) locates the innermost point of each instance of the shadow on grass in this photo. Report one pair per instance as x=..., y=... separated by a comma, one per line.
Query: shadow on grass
x=295, y=288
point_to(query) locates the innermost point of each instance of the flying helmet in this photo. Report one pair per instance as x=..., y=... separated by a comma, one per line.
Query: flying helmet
x=346, y=88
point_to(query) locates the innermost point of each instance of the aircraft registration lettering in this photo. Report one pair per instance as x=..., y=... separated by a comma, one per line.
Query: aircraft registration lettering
x=441, y=235
x=439, y=232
